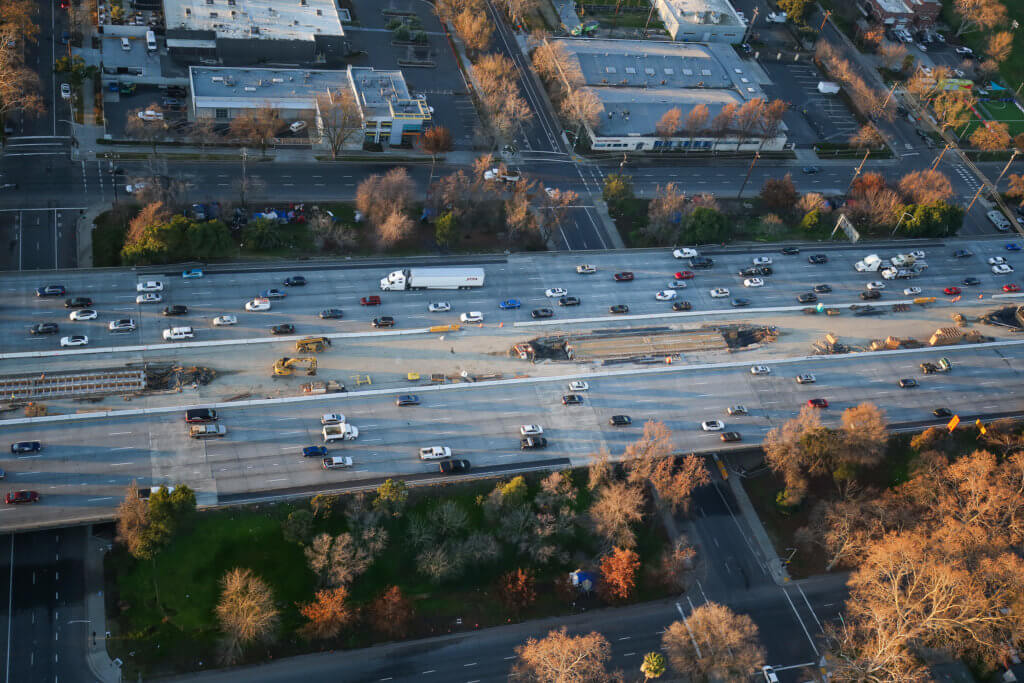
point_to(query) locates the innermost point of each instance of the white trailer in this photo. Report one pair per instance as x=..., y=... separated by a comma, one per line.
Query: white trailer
x=433, y=278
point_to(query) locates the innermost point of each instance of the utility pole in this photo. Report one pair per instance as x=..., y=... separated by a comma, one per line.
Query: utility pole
x=1005, y=169
x=856, y=171
x=648, y=22
x=245, y=180
x=938, y=159
x=750, y=26
x=968, y=209
x=887, y=98
x=828, y=13
x=757, y=155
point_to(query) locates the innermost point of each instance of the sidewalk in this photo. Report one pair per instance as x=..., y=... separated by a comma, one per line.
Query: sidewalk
x=100, y=664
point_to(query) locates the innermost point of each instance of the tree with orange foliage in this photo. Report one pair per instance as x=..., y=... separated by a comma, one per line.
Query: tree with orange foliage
x=991, y=136
x=561, y=658
x=618, y=574
x=327, y=615
x=391, y=613
x=1016, y=189
x=518, y=589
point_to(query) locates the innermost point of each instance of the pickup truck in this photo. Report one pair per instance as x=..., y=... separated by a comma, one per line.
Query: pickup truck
x=340, y=432
x=435, y=453
x=206, y=431
x=337, y=462
x=943, y=365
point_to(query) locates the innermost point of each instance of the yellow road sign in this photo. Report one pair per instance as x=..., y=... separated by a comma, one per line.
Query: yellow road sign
x=953, y=423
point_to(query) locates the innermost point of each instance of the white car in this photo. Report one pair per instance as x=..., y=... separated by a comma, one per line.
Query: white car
x=911, y=291
x=719, y=293
x=332, y=419
x=685, y=253
x=586, y=269
x=996, y=260
x=123, y=325
x=677, y=284
x=150, y=115
x=964, y=51
x=531, y=430
x=83, y=314
x=439, y=307
x=1002, y=269
x=665, y=295
x=762, y=261
x=753, y=282
x=435, y=453
x=760, y=370
x=224, y=320
x=150, y=286
x=555, y=291
x=578, y=385
x=137, y=187
x=297, y=126
x=472, y=317
x=65, y=91
x=877, y=284
x=917, y=253
x=74, y=340
x=148, y=298
x=712, y=425
x=258, y=304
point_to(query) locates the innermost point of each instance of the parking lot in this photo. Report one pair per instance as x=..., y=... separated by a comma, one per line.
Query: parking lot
x=819, y=118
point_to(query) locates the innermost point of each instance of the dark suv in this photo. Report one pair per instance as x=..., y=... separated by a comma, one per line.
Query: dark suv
x=44, y=328
x=295, y=281
x=78, y=302
x=407, y=400
x=384, y=321
x=533, y=442
x=200, y=415
x=51, y=290
x=177, y=309
x=26, y=447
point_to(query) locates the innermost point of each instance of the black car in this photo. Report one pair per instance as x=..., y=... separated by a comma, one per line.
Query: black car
x=541, y=313
x=283, y=328
x=532, y=442
x=384, y=321
x=51, y=290
x=572, y=400
x=295, y=281
x=330, y=314
x=791, y=251
x=407, y=400
x=764, y=270
x=752, y=271
x=810, y=170
x=681, y=306
x=454, y=466
x=44, y=328
x=907, y=383
x=702, y=262
x=78, y=302
x=942, y=412
x=740, y=303
x=870, y=294
x=730, y=436
x=822, y=289
x=195, y=415
x=623, y=277
x=817, y=258
x=569, y=301
x=618, y=308
x=620, y=421
x=177, y=309
x=26, y=447
x=962, y=253
x=807, y=298
x=866, y=310
x=970, y=281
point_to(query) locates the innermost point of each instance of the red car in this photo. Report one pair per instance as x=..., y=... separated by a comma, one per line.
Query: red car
x=623, y=277
x=684, y=275
x=1012, y=287
x=370, y=300
x=817, y=402
x=21, y=497
x=951, y=291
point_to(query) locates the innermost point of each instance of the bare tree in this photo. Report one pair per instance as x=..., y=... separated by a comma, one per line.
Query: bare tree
x=892, y=54
x=554, y=205
x=203, y=131
x=258, y=126
x=771, y=119
x=749, y=118
x=246, y=611
x=811, y=201
x=669, y=126
x=979, y=14
x=19, y=85
x=561, y=658
x=677, y=561
x=474, y=28
x=554, y=65
x=867, y=136
x=615, y=509
x=714, y=643
x=147, y=124
x=723, y=123
x=865, y=435
x=378, y=197
x=133, y=524
x=925, y=187
x=696, y=121
x=340, y=119
x=584, y=108
x=665, y=214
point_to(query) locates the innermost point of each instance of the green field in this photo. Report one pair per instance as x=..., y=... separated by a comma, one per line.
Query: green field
x=1005, y=112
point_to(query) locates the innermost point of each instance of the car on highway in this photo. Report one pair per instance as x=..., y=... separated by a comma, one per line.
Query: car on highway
x=295, y=281
x=472, y=317
x=272, y=293
x=283, y=328
x=703, y=262
x=870, y=294
x=258, y=305
x=817, y=259
x=150, y=286
x=753, y=282
x=314, y=451
x=907, y=383
x=51, y=290
x=192, y=274
x=995, y=260
x=719, y=293
x=806, y=378
x=26, y=447
x=791, y=251
x=736, y=410
x=578, y=385
x=620, y=420
x=665, y=295
x=807, y=298
x=149, y=298
x=911, y=291
x=681, y=306
x=510, y=304
x=74, y=340
x=749, y=271
x=729, y=437
x=78, y=302
x=44, y=328
x=455, y=466
x=1011, y=246
x=383, y=321
x=332, y=419
x=677, y=284
x=572, y=400
x=951, y=291
x=685, y=252
x=1003, y=269
x=685, y=275
x=817, y=402
x=712, y=425
x=972, y=281
x=331, y=314
x=739, y=302
x=436, y=307
x=569, y=301
x=528, y=442
x=822, y=289
x=865, y=310
x=760, y=370
x=1012, y=287
x=84, y=314
x=407, y=400
x=121, y=325
x=225, y=320
x=14, y=497
x=618, y=308
x=336, y=462
x=541, y=313
x=877, y=284
x=435, y=452
x=586, y=269
x=962, y=253
x=624, y=276
x=762, y=261
x=942, y=412
x=372, y=300
x=810, y=170
x=200, y=415
x=555, y=292
x=531, y=430
x=176, y=309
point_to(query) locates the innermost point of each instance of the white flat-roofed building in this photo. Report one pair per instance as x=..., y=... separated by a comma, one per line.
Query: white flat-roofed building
x=701, y=21
x=224, y=93
x=390, y=114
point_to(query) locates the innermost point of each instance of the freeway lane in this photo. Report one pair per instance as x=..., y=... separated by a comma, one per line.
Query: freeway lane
x=84, y=466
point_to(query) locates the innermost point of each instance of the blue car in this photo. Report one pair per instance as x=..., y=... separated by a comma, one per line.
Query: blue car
x=509, y=303
x=1012, y=246
x=191, y=274
x=272, y=294
x=314, y=451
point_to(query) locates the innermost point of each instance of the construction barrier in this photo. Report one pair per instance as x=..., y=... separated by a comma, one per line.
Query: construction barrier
x=925, y=300
x=444, y=328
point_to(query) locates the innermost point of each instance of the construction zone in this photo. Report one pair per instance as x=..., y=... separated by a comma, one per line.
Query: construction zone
x=286, y=366
x=15, y=389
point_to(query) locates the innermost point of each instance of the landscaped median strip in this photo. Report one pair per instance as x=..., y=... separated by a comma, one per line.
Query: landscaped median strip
x=649, y=370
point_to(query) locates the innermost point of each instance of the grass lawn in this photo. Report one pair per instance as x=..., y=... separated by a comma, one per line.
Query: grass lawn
x=1006, y=112
x=1012, y=70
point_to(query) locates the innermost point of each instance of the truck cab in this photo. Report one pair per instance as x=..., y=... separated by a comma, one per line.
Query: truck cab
x=340, y=432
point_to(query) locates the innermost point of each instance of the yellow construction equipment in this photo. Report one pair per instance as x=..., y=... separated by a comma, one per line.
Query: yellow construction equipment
x=286, y=366
x=312, y=344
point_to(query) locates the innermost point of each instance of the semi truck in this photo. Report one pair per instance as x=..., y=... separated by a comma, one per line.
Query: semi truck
x=433, y=278
x=340, y=432
x=869, y=264
x=943, y=365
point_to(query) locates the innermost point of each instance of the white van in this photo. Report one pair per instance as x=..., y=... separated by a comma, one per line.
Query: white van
x=126, y=45
x=150, y=41
x=1001, y=222
x=178, y=333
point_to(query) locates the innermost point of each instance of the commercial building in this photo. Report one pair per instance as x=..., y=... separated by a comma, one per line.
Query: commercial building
x=701, y=21
x=920, y=13
x=390, y=114
x=637, y=82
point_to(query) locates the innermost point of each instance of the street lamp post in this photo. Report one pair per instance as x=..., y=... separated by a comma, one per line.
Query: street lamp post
x=938, y=159
x=856, y=171
x=1005, y=169
x=905, y=214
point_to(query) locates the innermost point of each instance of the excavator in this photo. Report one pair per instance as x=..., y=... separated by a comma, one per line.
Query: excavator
x=312, y=344
x=286, y=366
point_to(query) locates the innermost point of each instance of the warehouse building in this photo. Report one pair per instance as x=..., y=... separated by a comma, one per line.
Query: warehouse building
x=701, y=21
